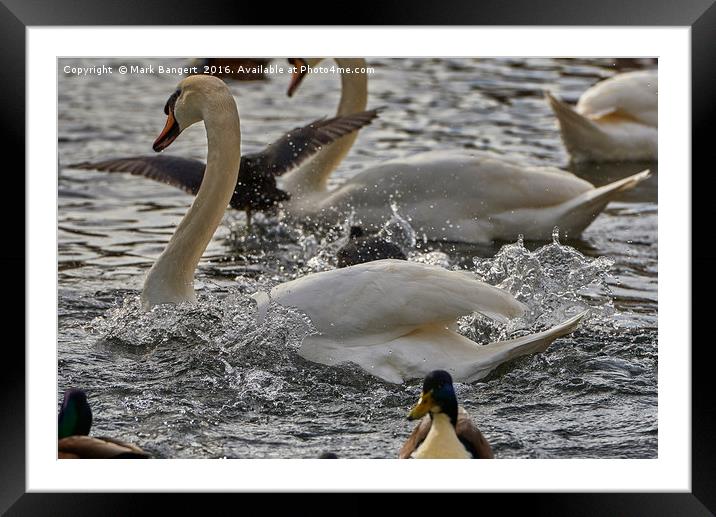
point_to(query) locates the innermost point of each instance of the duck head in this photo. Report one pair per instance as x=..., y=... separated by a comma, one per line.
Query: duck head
x=438, y=396
x=75, y=414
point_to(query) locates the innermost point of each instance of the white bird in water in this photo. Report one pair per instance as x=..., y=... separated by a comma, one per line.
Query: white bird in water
x=614, y=120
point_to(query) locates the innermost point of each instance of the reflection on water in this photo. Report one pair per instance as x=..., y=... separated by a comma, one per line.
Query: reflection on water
x=205, y=381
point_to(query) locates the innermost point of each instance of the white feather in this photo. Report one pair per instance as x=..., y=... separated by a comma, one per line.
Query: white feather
x=614, y=120
x=395, y=319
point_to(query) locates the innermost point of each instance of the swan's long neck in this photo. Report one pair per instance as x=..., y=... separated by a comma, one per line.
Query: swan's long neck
x=312, y=177
x=171, y=279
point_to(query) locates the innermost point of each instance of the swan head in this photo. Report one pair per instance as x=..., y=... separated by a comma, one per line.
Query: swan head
x=438, y=396
x=75, y=414
x=301, y=66
x=194, y=97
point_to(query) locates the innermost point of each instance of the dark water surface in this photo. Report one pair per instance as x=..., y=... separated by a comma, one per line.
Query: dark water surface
x=206, y=381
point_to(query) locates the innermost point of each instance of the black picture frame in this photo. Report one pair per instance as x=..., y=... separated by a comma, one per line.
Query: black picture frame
x=700, y=15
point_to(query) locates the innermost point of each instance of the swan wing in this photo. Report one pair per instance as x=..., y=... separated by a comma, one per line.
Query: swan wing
x=429, y=347
x=387, y=298
x=630, y=96
x=462, y=185
x=301, y=143
x=184, y=173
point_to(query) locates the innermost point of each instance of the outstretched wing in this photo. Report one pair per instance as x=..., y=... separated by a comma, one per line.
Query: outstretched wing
x=184, y=173
x=299, y=144
x=284, y=154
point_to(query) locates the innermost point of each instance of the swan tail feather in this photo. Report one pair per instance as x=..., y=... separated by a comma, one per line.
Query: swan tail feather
x=579, y=133
x=579, y=212
x=416, y=353
x=262, y=304
x=532, y=343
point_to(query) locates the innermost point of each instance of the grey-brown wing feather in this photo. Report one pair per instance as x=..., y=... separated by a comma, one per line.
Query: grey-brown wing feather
x=467, y=433
x=299, y=144
x=416, y=438
x=472, y=438
x=256, y=186
x=184, y=173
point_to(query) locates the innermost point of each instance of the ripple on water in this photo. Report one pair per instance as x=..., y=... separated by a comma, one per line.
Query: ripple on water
x=205, y=381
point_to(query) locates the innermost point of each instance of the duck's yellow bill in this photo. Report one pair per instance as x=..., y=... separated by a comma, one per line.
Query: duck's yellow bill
x=422, y=407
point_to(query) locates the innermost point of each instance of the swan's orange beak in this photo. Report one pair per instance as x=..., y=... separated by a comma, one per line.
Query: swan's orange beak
x=301, y=69
x=168, y=135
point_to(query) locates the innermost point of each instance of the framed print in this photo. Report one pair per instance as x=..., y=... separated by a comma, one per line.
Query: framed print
x=473, y=239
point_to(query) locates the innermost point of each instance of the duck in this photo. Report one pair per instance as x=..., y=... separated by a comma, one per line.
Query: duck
x=364, y=248
x=397, y=319
x=465, y=196
x=255, y=188
x=445, y=430
x=614, y=120
x=74, y=423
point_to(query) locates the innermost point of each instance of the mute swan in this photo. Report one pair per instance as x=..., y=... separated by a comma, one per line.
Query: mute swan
x=396, y=319
x=448, y=431
x=74, y=423
x=207, y=98
x=255, y=189
x=460, y=196
x=364, y=248
x=614, y=120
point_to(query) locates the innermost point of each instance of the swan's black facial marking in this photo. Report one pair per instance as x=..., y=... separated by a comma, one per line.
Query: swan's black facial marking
x=171, y=128
x=171, y=102
x=301, y=69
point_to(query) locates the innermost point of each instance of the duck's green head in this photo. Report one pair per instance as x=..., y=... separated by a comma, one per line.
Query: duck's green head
x=438, y=397
x=75, y=414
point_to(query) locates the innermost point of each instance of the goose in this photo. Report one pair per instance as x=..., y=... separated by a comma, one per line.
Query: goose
x=255, y=189
x=449, y=195
x=614, y=120
x=396, y=319
x=447, y=432
x=74, y=422
x=364, y=248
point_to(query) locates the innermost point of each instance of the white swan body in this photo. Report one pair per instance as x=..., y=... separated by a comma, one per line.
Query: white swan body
x=396, y=319
x=171, y=278
x=456, y=195
x=614, y=120
x=475, y=197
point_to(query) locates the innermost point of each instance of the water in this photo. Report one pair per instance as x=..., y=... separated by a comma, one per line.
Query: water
x=206, y=381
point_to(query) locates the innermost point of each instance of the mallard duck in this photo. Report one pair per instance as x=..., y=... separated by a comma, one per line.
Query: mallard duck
x=364, y=248
x=445, y=430
x=73, y=426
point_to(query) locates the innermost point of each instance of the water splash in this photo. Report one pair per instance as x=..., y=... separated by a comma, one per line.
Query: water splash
x=555, y=281
x=398, y=230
